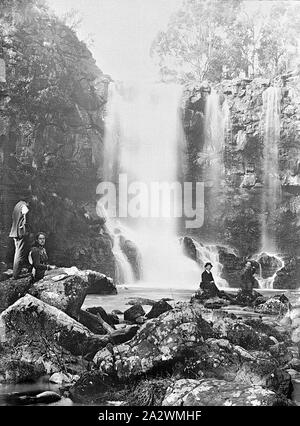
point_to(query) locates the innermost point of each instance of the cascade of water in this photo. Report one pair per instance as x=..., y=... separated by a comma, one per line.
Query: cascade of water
x=124, y=273
x=272, y=187
x=143, y=128
x=267, y=283
x=216, y=124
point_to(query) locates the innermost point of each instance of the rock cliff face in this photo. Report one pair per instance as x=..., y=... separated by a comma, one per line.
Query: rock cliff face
x=51, y=133
x=233, y=210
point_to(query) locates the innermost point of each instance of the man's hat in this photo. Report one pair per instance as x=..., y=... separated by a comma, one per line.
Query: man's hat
x=208, y=263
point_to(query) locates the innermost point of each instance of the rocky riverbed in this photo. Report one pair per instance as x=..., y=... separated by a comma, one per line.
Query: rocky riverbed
x=132, y=348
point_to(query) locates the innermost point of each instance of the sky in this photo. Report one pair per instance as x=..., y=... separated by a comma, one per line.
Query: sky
x=122, y=32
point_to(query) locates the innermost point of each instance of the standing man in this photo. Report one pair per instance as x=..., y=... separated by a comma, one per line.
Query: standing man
x=19, y=232
x=247, y=277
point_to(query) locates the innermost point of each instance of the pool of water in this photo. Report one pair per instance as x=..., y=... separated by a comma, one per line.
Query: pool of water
x=156, y=292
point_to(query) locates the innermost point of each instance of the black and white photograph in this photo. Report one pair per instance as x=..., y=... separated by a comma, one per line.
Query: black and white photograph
x=149, y=208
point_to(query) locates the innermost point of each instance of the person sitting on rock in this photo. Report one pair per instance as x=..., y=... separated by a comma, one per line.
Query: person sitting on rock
x=207, y=281
x=38, y=258
x=248, y=281
x=209, y=287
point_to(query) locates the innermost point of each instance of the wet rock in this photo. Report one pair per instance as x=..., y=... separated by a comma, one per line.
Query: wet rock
x=30, y=319
x=133, y=313
x=141, y=301
x=45, y=397
x=247, y=298
x=213, y=392
x=124, y=334
x=241, y=334
x=110, y=319
x=159, y=308
x=60, y=378
x=276, y=305
x=100, y=283
x=11, y=290
x=67, y=294
x=166, y=338
x=216, y=303
x=91, y=322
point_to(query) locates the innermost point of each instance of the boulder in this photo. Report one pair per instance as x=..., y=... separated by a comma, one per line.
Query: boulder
x=159, y=308
x=60, y=378
x=276, y=305
x=11, y=290
x=213, y=392
x=110, y=319
x=216, y=303
x=124, y=334
x=159, y=340
x=133, y=313
x=32, y=320
x=67, y=294
x=141, y=301
x=241, y=334
x=100, y=283
x=91, y=322
x=247, y=298
x=35, y=397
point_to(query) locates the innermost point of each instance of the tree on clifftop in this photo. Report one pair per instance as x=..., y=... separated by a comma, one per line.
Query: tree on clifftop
x=193, y=46
x=213, y=39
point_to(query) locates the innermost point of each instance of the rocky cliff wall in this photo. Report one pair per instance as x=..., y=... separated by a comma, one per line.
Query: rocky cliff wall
x=233, y=211
x=51, y=138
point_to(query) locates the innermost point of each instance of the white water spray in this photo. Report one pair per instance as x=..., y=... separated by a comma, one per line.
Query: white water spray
x=143, y=133
x=272, y=187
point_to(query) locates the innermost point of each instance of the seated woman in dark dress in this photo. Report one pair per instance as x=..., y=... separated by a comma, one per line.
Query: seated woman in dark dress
x=207, y=281
x=209, y=287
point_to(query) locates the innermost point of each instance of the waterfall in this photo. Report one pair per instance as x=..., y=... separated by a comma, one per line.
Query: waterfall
x=268, y=281
x=272, y=187
x=216, y=124
x=124, y=272
x=142, y=138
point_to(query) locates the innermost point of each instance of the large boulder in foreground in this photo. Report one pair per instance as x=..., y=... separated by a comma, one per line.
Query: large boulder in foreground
x=213, y=392
x=166, y=338
x=11, y=290
x=30, y=320
x=67, y=294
